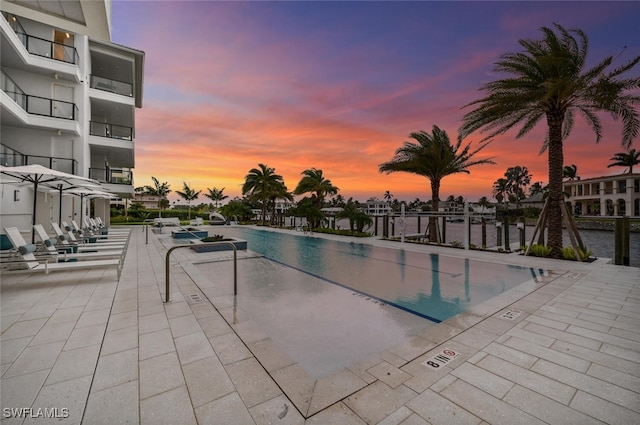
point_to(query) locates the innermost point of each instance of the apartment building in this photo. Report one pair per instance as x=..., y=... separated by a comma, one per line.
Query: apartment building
x=68, y=100
x=617, y=195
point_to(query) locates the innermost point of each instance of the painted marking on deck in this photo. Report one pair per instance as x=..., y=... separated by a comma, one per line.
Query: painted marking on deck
x=194, y=299
x=511, y=314
x=441, y=359
x=573, y=275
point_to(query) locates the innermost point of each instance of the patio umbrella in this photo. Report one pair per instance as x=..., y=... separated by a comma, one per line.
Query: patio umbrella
x=38, y=175
x=64, y=186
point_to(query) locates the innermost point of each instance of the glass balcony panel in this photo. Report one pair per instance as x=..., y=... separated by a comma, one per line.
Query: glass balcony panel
x=63, y=109
x=112, y=86
x=39, y=106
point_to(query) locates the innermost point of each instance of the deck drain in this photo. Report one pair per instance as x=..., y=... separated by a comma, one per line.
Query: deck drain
x=194, y=299
x=511, y=314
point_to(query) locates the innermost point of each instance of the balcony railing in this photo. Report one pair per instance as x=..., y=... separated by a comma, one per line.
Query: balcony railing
x=112, y=131
x=111, y=175
x=112, y=86
x=11, y=158
x=44, y=106
x=42, y=47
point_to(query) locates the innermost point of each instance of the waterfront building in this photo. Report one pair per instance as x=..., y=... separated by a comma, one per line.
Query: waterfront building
x=68, y=101
x=617, y=195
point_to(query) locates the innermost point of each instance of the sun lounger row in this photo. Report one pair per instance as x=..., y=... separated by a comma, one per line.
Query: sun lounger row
x=51, y=254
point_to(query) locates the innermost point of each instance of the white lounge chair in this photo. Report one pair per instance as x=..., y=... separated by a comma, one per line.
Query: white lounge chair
x=69, y=239
x=94, y=237
x=50, y=245
x=27, y=262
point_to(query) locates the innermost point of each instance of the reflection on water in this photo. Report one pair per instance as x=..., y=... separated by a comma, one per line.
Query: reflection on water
x=429, y=285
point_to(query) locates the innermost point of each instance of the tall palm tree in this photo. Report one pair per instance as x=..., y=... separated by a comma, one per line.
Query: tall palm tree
x=314, y=182
x=625, y=159
x=161, y=190
x=500, y=190
x=518, y=177
x=550, y=81
x=216, y=195
x=188, y=194
x=570, y=172
x=484, y=203
x=261, y=183
x=388, y=196
x=434, y=157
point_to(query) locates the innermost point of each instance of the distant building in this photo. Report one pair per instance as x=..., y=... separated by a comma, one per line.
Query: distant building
x=617, y=195
x=375, y=207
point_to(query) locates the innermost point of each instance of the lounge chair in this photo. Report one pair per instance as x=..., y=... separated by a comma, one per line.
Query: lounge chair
x=69, y=239
x=88, y=234
x=64, y=253
x=27, y=262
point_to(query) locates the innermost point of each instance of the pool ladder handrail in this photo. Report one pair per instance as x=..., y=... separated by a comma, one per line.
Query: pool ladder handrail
x=173, y=248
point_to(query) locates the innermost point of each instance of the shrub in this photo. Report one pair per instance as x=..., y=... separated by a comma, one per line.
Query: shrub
x=569, y=254
x=538, y=250
x=214, y=238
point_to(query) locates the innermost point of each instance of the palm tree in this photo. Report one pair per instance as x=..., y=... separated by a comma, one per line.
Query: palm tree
x=216, y=195
x=161, y=190
x=625, y=159
x=261, y=183
x=518, y=177
x=188, y=195
x=314, y=182
x=549, y=81
x=570, y=172
x=387, y=196
x=279, y=191
x=433, y=157
x=484, y=203
x=501, y=190
x=536, y=188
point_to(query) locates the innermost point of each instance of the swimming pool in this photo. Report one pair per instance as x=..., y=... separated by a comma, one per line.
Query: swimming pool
x=431, y=286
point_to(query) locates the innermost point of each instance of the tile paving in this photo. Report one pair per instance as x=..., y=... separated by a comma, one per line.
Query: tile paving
x=92, y=349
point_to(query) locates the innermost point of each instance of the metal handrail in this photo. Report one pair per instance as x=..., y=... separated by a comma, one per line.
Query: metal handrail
x=235, y=265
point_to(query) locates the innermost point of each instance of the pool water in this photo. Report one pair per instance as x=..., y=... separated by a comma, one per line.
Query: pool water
x=431, y=286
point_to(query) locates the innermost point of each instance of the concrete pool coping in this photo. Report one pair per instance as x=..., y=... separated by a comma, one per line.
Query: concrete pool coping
x=86, y=342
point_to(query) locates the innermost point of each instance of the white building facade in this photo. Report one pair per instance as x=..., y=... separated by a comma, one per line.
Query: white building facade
x=68, y=102
x=617, y=195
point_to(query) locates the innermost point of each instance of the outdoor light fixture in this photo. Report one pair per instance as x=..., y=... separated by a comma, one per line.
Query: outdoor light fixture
x=498, y=224
x=16, y=195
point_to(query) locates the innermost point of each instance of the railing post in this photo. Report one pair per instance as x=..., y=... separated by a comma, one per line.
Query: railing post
x=621, y=241
x=167, y=268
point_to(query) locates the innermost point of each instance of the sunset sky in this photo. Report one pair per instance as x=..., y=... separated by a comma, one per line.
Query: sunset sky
x=340, y=85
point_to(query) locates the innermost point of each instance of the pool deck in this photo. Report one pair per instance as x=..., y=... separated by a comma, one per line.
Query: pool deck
x=561, y=350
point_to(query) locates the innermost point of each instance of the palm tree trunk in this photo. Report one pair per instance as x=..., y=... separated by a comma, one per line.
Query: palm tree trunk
x=556, y=197
x=435, y=206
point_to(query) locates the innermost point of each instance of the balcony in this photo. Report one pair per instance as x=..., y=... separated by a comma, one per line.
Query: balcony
x=111, y=86
x=111, y=175
x=111, y=131
x=41, y=47
x=11, y=158
x=44, y=106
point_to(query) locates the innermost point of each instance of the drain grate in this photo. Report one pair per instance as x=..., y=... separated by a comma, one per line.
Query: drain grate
x=511, y=314
x=194, y=299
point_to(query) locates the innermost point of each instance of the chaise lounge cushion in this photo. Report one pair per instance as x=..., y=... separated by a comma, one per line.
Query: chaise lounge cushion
x=27, y=249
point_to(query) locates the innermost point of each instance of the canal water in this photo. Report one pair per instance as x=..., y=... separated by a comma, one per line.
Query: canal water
x=600, y=242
